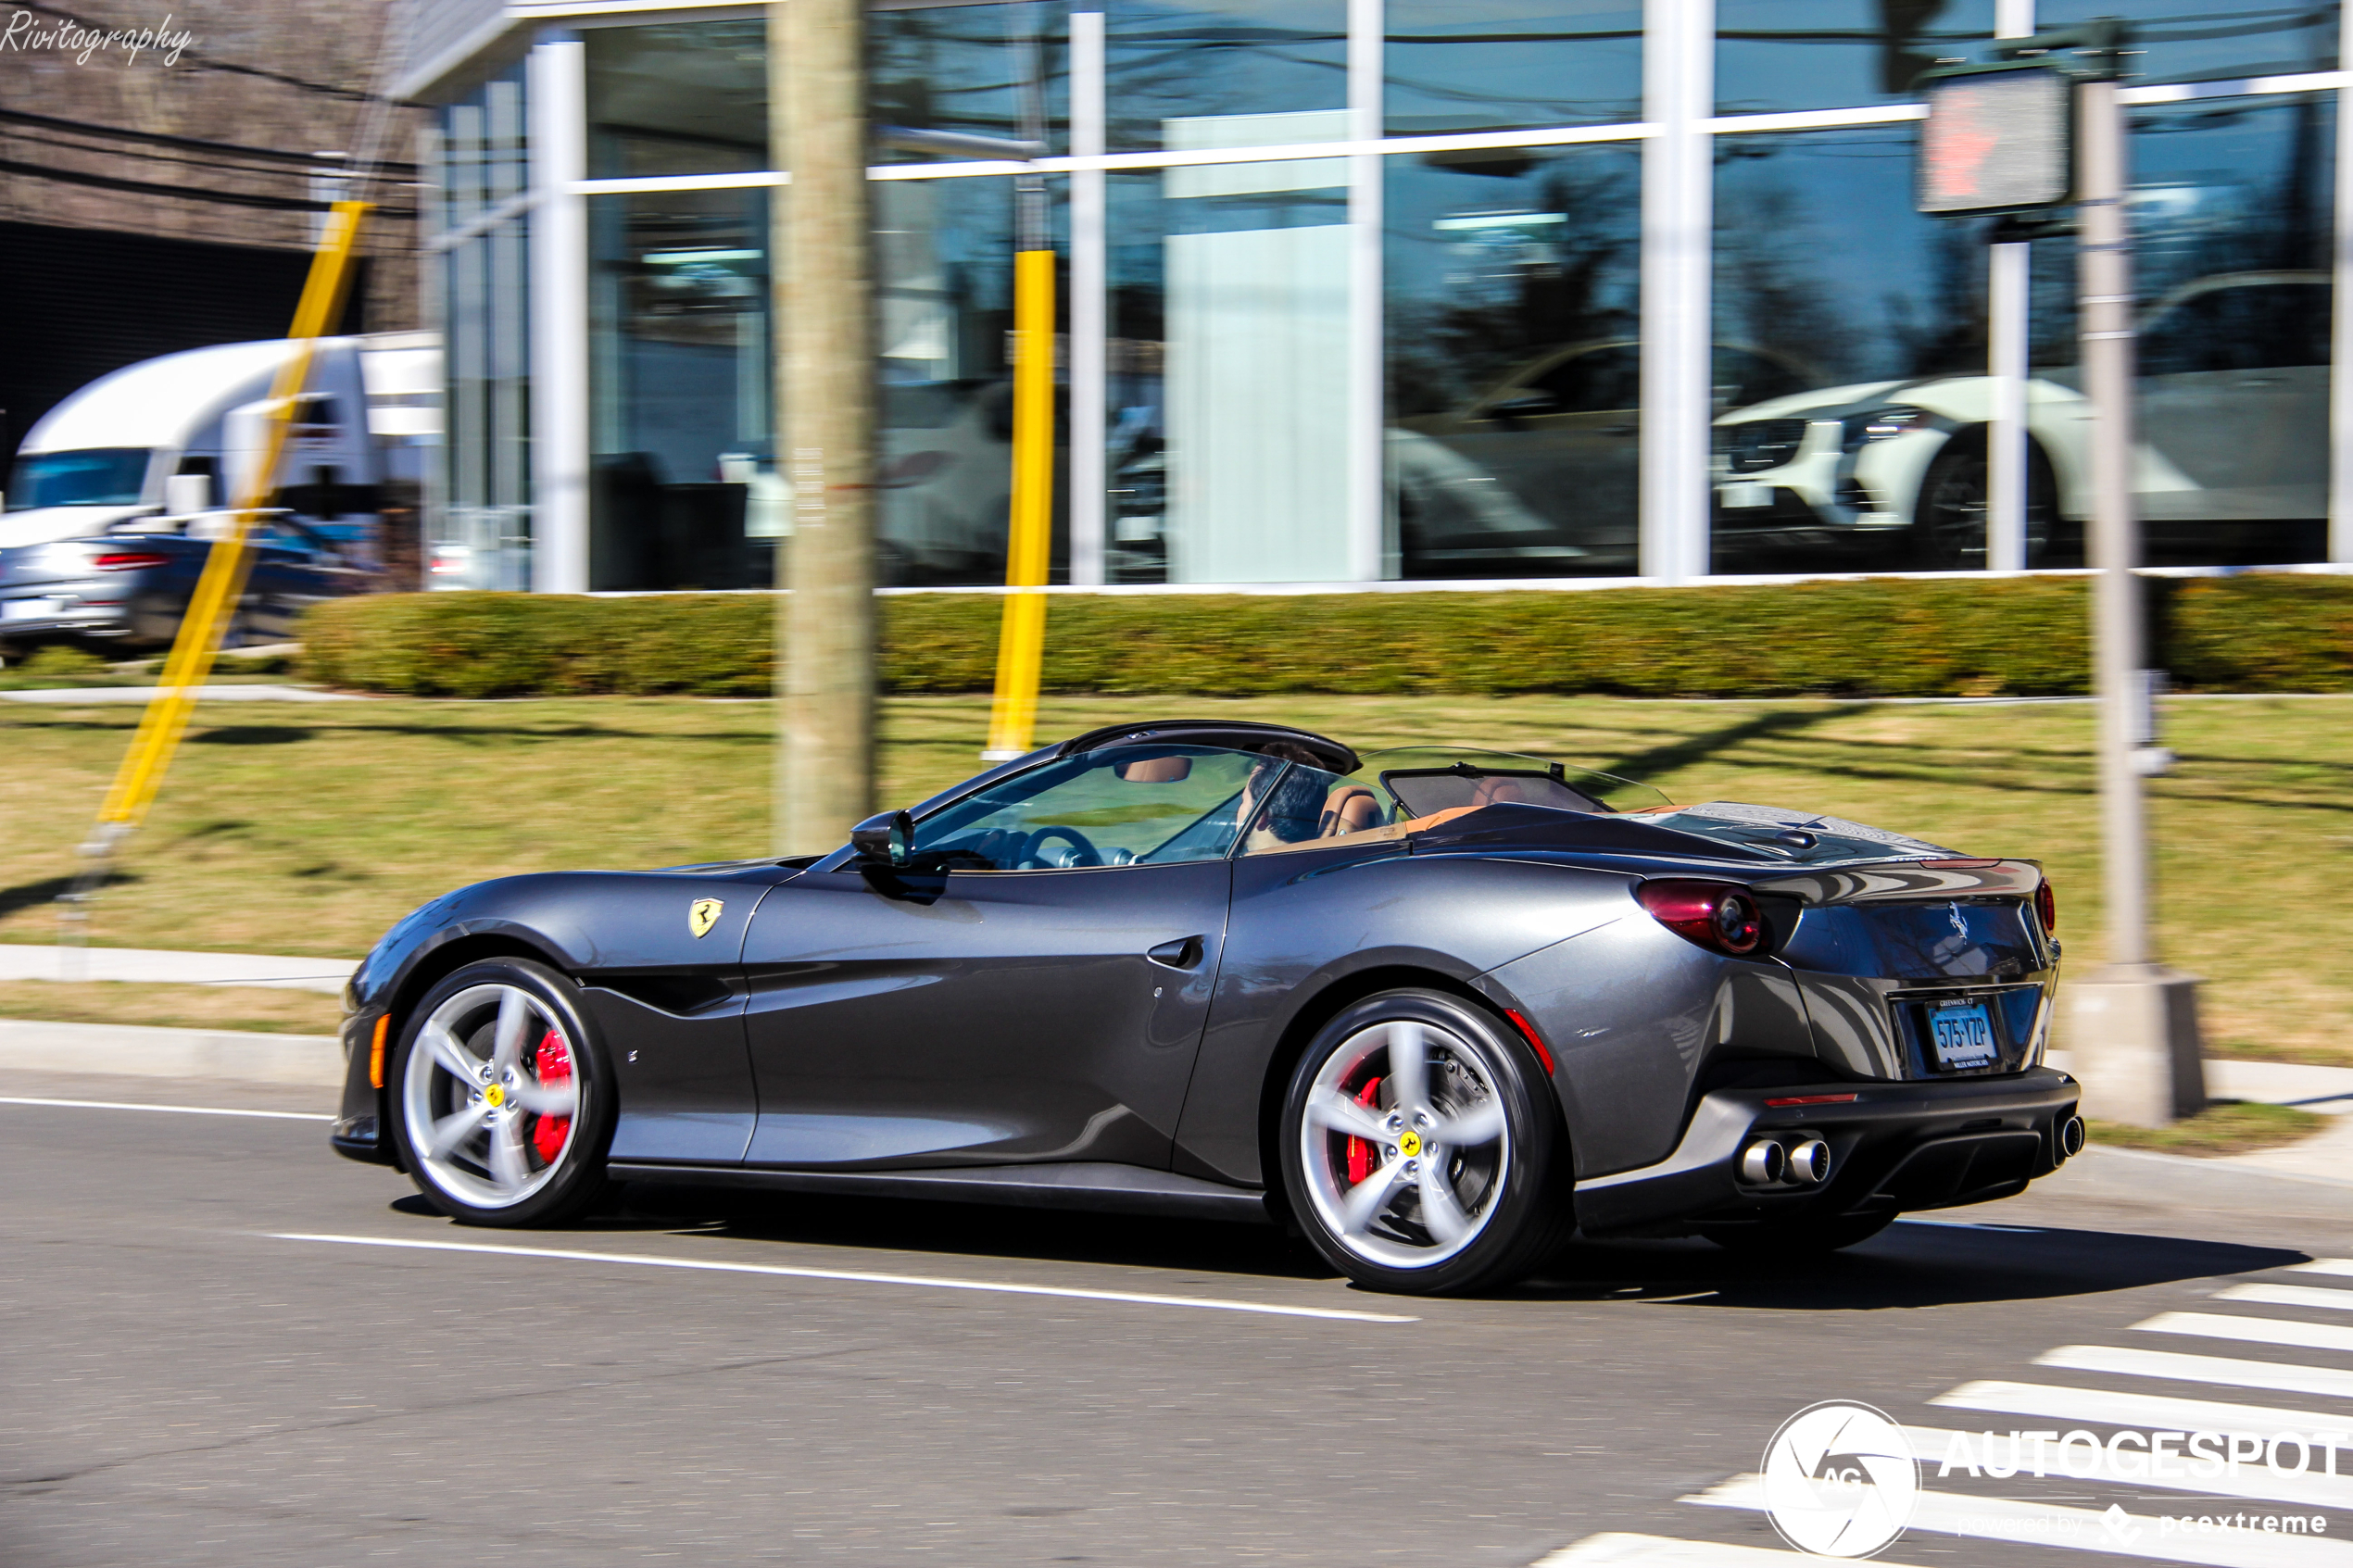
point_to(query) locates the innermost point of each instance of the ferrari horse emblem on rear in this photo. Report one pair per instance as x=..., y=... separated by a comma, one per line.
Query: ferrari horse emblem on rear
x=702, y=915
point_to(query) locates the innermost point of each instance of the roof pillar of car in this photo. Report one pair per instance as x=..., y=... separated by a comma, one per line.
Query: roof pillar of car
x=1234, y=734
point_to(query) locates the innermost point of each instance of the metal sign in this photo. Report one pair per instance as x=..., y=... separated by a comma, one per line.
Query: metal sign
x=1997, y=139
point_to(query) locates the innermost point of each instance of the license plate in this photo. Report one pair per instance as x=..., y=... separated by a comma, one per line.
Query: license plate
x=1745, y=494
x=29, y=609
x=1963, y=1036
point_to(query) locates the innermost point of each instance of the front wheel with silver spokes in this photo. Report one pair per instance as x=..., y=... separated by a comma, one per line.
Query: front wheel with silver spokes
x=497, y=1097
x=1419, y=1144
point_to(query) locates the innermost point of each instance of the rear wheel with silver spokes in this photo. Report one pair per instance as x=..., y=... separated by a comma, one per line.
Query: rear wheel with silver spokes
x=497, y=1097
x=1418, y=1146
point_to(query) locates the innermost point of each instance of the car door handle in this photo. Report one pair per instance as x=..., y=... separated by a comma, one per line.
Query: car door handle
x=1183, y=953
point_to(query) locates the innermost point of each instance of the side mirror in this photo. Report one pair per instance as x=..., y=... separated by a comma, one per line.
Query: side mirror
x=883, y=839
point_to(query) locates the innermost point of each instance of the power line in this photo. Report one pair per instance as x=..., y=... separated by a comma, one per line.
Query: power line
x=182, y=193
x=189, y=143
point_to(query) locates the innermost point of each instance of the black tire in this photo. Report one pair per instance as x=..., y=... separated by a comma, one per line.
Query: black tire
x=1949, y=519
x=1809, y=1238
x=1509, y=1190
x=535, y=1179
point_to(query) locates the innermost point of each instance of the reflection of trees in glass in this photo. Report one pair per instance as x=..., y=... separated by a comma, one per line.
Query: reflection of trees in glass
x=1498, y=310
x=1941, y=330
x=2243, y=187
x=1771, y=292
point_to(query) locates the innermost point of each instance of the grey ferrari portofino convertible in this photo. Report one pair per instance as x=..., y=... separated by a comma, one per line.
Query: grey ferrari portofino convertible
x=1437, y=1009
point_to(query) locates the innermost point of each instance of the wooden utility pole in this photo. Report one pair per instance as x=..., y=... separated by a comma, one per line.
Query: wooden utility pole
x=822, y=258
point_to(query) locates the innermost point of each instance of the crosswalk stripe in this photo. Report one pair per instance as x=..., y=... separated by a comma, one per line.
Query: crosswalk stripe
x=1620, y=1548
x=2329, y=1382
x=2100, y=1407
x=2323, y=1266
x=2078, y=1529
x=2254, y=1331
x=2290, y=1296
x=2254, y=1483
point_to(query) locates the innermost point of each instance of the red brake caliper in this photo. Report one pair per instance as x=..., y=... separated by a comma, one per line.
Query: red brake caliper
x=1360, y=1152
x=552, y=1065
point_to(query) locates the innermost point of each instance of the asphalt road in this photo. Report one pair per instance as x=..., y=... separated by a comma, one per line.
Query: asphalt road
x=204, y=1359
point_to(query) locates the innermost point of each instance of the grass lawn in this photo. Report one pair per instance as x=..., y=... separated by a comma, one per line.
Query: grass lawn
x=269, y=1010
x=2223, y=1127
x=307, y=829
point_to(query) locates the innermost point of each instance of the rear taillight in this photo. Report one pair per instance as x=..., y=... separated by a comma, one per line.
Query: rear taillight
x=1716, y=915
x=2047, y=908
x=128, y=560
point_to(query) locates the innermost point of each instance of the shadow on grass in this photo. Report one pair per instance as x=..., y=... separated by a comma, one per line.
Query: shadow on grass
x=33, y=895
x=1686, y=751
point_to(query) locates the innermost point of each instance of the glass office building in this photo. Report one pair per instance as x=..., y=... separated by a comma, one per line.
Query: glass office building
x=1355, y=292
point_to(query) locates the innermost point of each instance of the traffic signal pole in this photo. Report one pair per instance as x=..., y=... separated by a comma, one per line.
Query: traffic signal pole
x=2134, y=1032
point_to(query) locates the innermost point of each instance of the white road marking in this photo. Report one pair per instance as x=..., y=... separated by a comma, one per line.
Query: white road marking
x=2290, y=1296
x=2079, y=1529
x=1621, y=1549
x=181, y=1110
x=2254, y=1331
x=2143, y=1412
x=2323, y=1266
x=2329, y=1382
x=1136, y=1298
x=2254, y=1481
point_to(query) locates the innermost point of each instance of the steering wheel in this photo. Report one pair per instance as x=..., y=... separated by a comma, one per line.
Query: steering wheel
x=1087, y=854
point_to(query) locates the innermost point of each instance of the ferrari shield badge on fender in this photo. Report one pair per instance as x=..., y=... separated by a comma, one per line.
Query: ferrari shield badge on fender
x=702, y=915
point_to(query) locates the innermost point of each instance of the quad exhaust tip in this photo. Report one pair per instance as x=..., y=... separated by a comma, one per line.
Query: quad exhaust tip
x=1768, y=1162
x=1763, y=1162
x=2070, y=1137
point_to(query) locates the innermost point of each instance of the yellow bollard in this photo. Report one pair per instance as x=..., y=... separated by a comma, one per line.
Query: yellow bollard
x=1022, y=641
x=229, y=562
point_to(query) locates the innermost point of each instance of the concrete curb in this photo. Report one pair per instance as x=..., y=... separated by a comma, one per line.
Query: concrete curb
x=155, y=966
x=128, y=1050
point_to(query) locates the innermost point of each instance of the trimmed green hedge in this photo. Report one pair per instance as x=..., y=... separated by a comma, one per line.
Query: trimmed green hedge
x=1890, y=637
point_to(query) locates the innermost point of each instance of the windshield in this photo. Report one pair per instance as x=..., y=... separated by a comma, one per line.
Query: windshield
x=1120, y=806
x=95, y=476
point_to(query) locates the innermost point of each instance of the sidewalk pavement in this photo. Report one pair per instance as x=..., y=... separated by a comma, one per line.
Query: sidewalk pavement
x=81, y=696
x=159, y=966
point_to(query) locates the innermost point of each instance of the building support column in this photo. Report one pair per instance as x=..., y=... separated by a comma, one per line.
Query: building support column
x=1678, y=94
x=1088, y=274
x=2340, y=393
x=2005, y=330
x=822, y=257
x=1369, y=545
x=557, y=81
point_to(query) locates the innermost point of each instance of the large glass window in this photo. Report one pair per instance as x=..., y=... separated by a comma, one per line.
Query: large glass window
x=1498, y=64
x=684, y=493
x=2232, y=212
x=1850, y=343
x=944, y=274
x=1515, y=385
x=677, y=98
x=1186, y=59
x=2207, y=40
x=1230, y=362
x=482, y=536
x=948, y=80
x=1778, y=54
